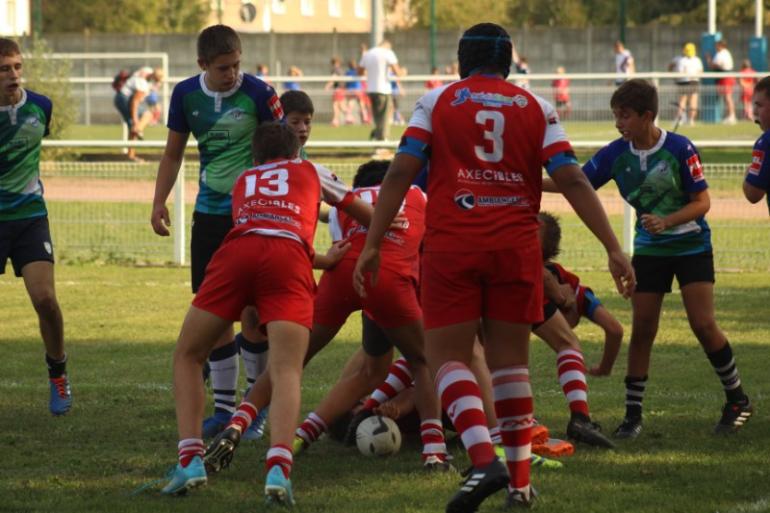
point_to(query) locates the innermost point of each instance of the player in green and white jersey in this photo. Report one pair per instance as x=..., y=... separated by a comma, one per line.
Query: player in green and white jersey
x=24, y=234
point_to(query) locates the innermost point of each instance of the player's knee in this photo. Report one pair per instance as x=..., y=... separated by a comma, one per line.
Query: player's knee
x=705, y=330
x=615, y=330
x=45, y=304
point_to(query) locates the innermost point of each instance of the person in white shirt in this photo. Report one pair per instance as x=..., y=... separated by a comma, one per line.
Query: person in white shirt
x=375, y=63
x=690, y=66
x=723, y=61
x=624, y=63
x=130, y=102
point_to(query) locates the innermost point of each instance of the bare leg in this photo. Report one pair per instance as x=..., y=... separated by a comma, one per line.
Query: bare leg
x=39, y=281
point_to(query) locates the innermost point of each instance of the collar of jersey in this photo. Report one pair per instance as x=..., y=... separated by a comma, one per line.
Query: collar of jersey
x=15, y=106
x=223, y=94
x=658, y=145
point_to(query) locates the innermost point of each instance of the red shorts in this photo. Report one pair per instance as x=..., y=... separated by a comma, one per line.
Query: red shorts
x=391, y=304
x=725, y=85
x=272, y=273
x=504, y=285
x=338, y=95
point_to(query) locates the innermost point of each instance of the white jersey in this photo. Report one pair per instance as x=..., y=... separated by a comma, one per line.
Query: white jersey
x=376, y=62
x=690, y=66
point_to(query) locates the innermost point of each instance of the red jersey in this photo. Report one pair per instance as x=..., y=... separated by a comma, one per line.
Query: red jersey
x=561, y=89
x=400, y=248
x=489, y=140
x=564, y=276
x=281, y=199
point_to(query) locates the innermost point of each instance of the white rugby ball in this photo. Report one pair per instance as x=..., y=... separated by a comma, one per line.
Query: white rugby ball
x=378, y=436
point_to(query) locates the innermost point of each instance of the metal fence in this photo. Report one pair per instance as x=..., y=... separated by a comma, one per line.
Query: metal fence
x=101, y=211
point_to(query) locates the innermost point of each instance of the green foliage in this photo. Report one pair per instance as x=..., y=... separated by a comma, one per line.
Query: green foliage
x=125, y=16
x=457, y=14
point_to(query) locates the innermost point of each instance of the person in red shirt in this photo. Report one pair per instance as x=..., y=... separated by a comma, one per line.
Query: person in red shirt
x=747, y=84
x=561, y=94
x=486, y=142
x=265, y=261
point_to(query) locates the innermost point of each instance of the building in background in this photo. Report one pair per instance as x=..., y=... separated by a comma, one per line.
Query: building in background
x=15, y=18
x=293, y=15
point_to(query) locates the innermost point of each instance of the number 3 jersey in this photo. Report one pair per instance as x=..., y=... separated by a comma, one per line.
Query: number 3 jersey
x=281, y=199
x=400, y=249
x=487, y=142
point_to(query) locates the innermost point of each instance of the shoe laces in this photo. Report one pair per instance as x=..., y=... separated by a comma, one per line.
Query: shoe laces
x=62, y=387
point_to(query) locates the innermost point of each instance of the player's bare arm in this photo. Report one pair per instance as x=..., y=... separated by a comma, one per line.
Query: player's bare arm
x=554, y=291
x=168, y=169
x=752, y=193
x=613, y=337
x=699, y=204
x=574, y=185
x=332, y=257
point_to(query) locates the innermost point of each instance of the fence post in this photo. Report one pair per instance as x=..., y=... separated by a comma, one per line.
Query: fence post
x=179, y=227
x=629, y=218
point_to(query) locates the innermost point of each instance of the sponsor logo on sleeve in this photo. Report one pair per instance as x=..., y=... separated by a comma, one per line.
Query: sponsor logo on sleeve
x=275, y=107
x=696, y=168
x=757, y=158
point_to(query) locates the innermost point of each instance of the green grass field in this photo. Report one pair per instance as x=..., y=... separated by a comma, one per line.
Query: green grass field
x=121, y=324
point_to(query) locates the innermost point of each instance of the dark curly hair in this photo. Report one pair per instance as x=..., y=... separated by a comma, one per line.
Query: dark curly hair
x=371, y=173
x=551, y=235
x=485, y=47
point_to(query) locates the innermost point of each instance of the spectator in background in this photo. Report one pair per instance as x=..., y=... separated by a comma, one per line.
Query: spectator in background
x=624, y=63
x=153, y=98
x=339, y=105
x=723, y=61
x=397, y=90
x=561, y=96
x=690, y=65
x=354, y=92
x=130, y=103
x=433, y=83
x=522, y=67
x=747, y=88
x=262, y=72
x=375, y=63
x=293, y=85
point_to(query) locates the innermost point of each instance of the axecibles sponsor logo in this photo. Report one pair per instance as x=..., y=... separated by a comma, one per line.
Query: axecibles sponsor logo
x=489, y=176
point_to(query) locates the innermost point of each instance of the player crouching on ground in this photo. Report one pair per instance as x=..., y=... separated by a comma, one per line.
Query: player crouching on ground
x=265, y=261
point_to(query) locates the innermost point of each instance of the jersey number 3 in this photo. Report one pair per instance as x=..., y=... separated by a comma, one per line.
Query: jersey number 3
x=276, y=183
x=492, y=134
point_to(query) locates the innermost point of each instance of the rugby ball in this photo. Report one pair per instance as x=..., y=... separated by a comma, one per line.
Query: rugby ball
x=378, y=436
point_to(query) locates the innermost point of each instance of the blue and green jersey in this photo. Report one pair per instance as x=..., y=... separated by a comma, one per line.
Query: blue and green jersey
x=656, y=181
x=22, y=128
x=223, y=124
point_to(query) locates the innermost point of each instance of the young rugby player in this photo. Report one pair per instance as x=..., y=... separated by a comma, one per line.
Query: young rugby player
x=757, y=180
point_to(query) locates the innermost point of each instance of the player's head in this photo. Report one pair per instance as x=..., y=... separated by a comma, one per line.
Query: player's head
x=299, y=110
x=485, y=48
x=761, y=103
x=635, y=106
x=219, y=55
x=371, y=173
x=274, y=141
x=689, y=50
x=10, y=69
x=550, y=235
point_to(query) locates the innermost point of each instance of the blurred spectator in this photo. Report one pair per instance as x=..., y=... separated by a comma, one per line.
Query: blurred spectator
x=453, y=69
x=339, y=105
x=153, y=98
x=397, y=90
x=293, y=85
x=262, y=72
x=375, y=63
x=747, y=89
x=130, y=103
x=690, y=65
x=433, y=83
x=561, y=95
x=723, y=61
x=522, y=68
x=624, y=63
x=354, y=91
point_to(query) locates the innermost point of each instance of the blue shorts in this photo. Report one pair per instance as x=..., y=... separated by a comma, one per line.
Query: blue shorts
x=591, y=304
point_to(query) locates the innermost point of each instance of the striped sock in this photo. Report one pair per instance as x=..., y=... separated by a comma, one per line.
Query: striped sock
x=724, y=364
x=514, y=408
x=224, y=377
x=432, y=437
x=634, y=396
x=190, y=448
x=280, y=454
x=399, y=378
x=312, y=428
x=461, y=399
x=572, y=378
x=243, y=416
x=254, y=356
x=494, y=434
x=56, y=368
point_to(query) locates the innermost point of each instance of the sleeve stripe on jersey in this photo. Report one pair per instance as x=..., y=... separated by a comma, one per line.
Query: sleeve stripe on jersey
x=420, y=134
x=557, y=147
x=345, y=201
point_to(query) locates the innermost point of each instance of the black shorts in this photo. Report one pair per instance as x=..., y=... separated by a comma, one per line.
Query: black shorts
x=25, y=241
x=656, y=273
x=208, y=232
x=374, y=340
x=549, y=309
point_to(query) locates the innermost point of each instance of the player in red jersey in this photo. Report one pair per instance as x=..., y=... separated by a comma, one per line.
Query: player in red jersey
x=265, y=261
x=486, y=142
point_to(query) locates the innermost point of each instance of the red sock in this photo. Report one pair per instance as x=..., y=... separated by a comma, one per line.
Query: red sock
x=243, y=416
x=190, y=448
x=280, y=454
x=461, y=398
x=572, y=378
x=313, y=427
x=432, y=437
x=513, y=406
x=399, y=378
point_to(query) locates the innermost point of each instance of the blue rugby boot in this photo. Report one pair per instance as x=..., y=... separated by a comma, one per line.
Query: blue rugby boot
x=278, y=488
x=186, y=478
x=257, y=428
x=60, y=401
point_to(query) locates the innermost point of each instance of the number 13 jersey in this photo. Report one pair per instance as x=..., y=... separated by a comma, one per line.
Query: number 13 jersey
x=487, y=141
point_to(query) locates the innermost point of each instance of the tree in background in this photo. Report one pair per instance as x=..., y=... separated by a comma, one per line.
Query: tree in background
x=126, y=16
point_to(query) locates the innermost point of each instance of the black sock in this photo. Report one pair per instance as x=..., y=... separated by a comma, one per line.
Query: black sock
x=634, y=396
x=724, y=365
x=56, y=368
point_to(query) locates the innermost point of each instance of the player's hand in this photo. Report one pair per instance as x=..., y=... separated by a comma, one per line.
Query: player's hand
x=599, y=371
x=388, y=409
x=653, y=224
x=160, y=220
x=568, y=297
x=400, y=222
x=622, y=272
x=336, y=252
x=367, y=266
